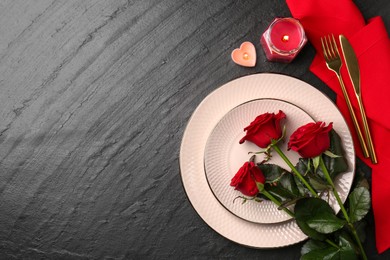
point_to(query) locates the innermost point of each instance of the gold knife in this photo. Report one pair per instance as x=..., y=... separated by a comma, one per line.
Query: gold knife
x=354, y=73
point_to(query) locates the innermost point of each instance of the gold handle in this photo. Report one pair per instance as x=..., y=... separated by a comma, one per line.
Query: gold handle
x=354, y=119
x=371, y=149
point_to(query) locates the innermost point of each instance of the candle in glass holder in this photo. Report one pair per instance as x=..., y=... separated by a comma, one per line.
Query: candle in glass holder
x=283, y=40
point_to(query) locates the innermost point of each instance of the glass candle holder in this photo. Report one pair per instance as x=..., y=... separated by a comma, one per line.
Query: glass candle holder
x=283, y=40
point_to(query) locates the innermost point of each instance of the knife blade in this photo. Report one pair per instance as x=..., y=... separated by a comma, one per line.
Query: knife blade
x=351, y=62
x=352, y=65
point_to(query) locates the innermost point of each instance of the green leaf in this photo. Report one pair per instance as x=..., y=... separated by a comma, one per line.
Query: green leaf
x=316, y=162
x=360, y=228
x=359, y=204
x=303, y=168
x=272, y=172
x=316, y=179
x=288, y=183
x=288, y=203
x=314, y=250
x=314, y=214
x=304, y=210
x=331, y=155
x=339, y=164
x=283, y=132
x=347, y=247
x=279, y=182
x=313, y=245
x=325, y=222
x=318, y=183
x=280, y=193
x=328, y=253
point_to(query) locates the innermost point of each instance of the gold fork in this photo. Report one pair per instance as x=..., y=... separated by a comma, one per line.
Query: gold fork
x=333, y=62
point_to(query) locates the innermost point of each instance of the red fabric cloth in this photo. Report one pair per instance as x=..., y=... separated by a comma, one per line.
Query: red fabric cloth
x=372, y=46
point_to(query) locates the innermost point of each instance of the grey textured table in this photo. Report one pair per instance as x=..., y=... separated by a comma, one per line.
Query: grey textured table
x=94, y=100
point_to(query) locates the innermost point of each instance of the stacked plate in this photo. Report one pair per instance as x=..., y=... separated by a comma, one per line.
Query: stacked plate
x=210, y=155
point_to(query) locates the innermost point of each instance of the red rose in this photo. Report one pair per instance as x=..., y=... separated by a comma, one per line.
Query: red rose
x=310, y=140
x=246, y=178
x=264, y=128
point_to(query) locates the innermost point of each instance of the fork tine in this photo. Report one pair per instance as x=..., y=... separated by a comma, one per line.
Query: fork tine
x=328, y=49
x=331, y=48
x=324, y=49
x=335, y=46
x=327, y=52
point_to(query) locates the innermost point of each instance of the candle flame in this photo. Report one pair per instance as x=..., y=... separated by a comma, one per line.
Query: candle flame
x=246, y=56
x=285, y=38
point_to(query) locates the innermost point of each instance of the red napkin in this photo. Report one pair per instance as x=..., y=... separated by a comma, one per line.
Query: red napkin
x=372, y=46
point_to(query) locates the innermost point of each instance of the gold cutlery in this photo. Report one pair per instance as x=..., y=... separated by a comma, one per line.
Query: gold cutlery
x=354, y=73
x=333, y=62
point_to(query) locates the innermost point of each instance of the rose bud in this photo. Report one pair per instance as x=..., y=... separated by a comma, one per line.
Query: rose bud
x=263, y=129
x=246, y=178
x=310, y=140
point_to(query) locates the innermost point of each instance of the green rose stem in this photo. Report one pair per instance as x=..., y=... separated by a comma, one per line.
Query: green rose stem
x=263, y=191
x=298, y=174
x=343, y=210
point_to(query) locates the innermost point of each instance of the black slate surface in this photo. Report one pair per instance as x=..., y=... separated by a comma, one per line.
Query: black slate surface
x=94, y=99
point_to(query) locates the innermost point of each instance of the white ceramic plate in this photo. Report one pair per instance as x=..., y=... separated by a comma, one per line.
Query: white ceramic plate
x=205, y=118
x=224, y=156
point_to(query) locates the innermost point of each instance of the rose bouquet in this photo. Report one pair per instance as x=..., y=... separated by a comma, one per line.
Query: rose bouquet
x=303, y=190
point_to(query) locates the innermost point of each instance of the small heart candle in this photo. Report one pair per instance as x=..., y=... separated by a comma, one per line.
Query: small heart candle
x=245, y=55
x=283, y=40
